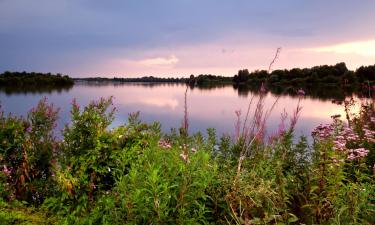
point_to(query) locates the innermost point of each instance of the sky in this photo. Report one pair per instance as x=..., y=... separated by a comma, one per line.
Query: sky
x=164, y=38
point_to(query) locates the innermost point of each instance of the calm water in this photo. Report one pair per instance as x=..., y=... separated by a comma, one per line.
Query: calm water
x=207, y=108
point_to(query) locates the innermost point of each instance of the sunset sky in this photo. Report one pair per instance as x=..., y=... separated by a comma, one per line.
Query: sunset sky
x=181, y=37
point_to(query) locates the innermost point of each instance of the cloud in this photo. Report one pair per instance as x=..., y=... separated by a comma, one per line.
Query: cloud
x=161, y=37
x=364, y=48
x=160, y=61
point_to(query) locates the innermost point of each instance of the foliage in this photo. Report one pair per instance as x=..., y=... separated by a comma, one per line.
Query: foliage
x=312, y=79
x=26, y=150
x=17, y=213
x=134, y=174
x=14, y=82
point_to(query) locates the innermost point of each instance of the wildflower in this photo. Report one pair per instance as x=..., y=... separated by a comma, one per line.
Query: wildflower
x=357, y=153
x=194, y=150
x=74, y=103
x=28, y=129
x=282, y=128
x=323, y=131
x=339, y=145
x=184, y=156
x=164, y=144
x=351, y=157
x=6, y=171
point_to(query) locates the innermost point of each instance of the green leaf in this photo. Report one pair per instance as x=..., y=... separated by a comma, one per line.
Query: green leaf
x=293, y=218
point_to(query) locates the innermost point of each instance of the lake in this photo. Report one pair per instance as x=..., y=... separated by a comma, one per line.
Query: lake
x=207, y=108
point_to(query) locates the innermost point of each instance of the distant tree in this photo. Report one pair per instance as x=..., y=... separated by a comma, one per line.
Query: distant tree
x=243, y=75
x=341, y=69
x=349, y=77
x=366, y=73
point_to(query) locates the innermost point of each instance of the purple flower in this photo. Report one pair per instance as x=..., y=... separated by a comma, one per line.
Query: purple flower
x=74, y=103
x=357, y=153
x=28, y=129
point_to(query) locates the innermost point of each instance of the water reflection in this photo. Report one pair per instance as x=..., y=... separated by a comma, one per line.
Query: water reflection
x=208, y=106
x=37, y=89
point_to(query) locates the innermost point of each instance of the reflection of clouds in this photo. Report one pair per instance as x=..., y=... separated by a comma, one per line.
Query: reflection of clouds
x=160, y=102
x=206, y=108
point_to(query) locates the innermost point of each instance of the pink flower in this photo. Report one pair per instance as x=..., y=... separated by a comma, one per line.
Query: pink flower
x=164, y=144
x=74, y=103
x=357, y=153
x=6, y=171
x=184, y=157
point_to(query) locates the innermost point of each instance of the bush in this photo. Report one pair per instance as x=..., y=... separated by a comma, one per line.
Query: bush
x=26, y=153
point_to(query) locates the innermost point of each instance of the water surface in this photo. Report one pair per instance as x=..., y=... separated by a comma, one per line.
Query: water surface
x=207, y=108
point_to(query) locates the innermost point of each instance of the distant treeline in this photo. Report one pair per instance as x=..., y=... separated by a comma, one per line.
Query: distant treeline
x=138, y=79
x=337, y=74
x=198, y=80
x=326, y=74
x=339, y=80
x=32, y=80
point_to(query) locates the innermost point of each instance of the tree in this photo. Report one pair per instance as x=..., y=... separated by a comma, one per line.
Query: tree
x=243, y=75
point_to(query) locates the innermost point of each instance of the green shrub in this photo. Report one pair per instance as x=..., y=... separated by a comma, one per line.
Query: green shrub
x=26, y=153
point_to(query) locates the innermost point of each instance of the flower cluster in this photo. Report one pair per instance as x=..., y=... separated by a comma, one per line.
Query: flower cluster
x=164, y=144
x=344, y=138
x=369, y=134
x=323, y=132
x=357, y=153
